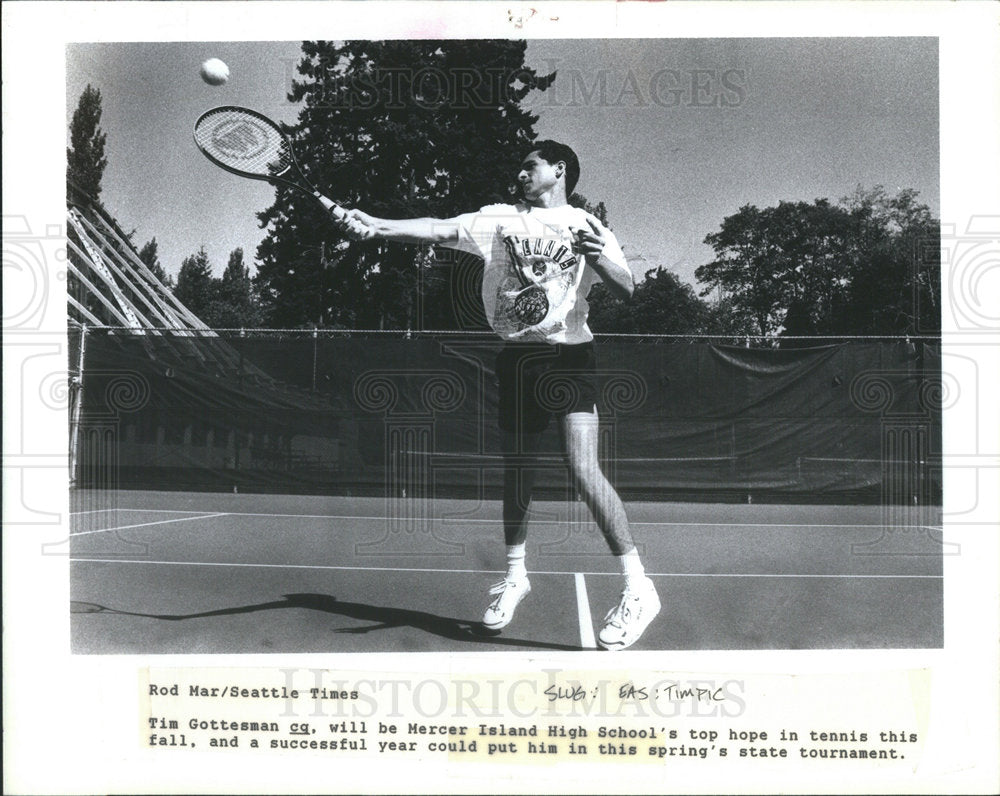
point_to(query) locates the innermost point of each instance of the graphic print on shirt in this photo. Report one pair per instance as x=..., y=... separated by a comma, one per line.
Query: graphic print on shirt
x=539, y=272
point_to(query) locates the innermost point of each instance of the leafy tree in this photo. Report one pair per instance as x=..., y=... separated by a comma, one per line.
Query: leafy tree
x=85, y=159
x=400, y=129
x=661, y=304
x=767, y=260
x=852, y=268
x=726, y=318
x=665, y=305
x=895, y=267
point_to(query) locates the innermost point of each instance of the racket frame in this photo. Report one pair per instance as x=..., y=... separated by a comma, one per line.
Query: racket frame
x=275, y=179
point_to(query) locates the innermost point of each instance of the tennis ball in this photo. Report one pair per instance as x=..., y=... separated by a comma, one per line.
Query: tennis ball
x=214, y=72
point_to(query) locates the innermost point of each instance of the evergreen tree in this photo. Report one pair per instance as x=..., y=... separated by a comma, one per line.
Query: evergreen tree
x=195, y=288
x=399, y=129
x=85, y=159
x=150, y=255
x=599, y=211
x=235, y=305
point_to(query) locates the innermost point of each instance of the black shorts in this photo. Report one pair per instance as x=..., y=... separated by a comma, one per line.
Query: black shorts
x=539, y=380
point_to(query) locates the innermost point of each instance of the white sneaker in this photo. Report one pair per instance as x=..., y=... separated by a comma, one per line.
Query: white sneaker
x=625, y=622
x=508, y=594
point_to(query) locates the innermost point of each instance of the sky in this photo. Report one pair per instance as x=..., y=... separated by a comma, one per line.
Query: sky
x=673, y=134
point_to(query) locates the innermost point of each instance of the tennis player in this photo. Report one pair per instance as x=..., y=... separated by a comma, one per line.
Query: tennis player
x=541, y=257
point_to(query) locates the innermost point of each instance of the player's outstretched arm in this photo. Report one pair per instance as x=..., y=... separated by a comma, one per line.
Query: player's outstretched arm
x=361, y=226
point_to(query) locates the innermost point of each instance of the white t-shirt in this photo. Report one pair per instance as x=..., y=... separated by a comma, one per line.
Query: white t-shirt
x=534, y=287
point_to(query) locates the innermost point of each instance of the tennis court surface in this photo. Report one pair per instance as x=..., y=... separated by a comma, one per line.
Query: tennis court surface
x=175, y=572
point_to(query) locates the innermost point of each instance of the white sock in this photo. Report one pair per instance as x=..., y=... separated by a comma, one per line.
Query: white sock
x=632, y=567
x=515, y=561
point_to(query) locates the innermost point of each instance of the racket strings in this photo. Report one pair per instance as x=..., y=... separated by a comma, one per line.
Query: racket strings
x=244, y=142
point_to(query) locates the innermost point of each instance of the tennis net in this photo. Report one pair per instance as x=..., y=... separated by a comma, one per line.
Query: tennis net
x=389, y=414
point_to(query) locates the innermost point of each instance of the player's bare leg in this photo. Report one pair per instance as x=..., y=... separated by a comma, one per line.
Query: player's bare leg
x=518, y=484
x=639, y=603
x=580, y=441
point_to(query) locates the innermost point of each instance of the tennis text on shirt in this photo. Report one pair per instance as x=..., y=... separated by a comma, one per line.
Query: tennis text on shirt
x=534, y=285
x=542, y=273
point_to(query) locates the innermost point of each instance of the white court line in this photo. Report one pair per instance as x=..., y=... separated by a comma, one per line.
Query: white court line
x=149, y=511
x=496, y=521
x=457, y=521
x=490, y=571
x=147, y=524
x=587, y=640
x=373, y=517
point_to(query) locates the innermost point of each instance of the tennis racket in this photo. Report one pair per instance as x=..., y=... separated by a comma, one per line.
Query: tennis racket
x=249, y=144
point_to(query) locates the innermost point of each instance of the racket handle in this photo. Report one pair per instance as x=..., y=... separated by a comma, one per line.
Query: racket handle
x=332, y=207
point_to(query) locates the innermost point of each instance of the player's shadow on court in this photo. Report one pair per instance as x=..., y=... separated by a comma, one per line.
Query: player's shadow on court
x=382, y=618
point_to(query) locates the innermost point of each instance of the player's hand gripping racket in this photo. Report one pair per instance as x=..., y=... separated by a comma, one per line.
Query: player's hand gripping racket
x=249, y=144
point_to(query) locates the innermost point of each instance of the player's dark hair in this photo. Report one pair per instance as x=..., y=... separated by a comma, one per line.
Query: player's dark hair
x=553, y=152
